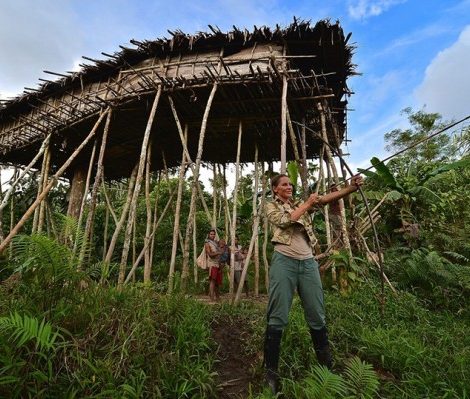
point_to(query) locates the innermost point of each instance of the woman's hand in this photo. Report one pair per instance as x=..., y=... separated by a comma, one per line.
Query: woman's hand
x=357, y=181
x=313, y=200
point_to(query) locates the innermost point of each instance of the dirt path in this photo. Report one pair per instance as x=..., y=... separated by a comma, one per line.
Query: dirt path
x=234, y=366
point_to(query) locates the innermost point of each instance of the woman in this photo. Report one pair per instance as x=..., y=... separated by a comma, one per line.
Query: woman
x=293, y=267
x=215, y=273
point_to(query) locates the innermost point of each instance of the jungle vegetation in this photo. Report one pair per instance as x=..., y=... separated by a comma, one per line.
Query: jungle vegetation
x=68, y=330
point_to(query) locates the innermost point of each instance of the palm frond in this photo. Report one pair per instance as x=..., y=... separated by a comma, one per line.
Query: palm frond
x=23, y=329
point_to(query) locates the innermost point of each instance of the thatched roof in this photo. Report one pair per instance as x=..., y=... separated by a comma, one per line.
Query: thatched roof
x=316, y=59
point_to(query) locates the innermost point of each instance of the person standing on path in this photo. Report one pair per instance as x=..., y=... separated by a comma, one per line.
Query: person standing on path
x=215, y=273
x=240, y=256
x=293, y=267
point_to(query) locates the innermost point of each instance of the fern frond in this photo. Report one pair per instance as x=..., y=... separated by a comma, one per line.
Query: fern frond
x=41, y=253
x=323, y=384
x=456, y=256
x=361, y=381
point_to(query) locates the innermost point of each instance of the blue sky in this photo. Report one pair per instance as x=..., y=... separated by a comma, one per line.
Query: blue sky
x=410, y=52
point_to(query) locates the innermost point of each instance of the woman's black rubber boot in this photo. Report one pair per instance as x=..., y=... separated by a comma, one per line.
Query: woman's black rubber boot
x=272, y=344
x=322, y=347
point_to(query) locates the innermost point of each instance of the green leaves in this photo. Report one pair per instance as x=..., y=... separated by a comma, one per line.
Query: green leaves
x=23, y=329
x=293, y=172
x=382, y=174
x=358, y=381
x=323, y=384
x=462, y=163
x=362, y=382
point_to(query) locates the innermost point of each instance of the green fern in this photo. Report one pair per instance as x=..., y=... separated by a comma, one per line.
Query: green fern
x=361, y=380
x=456, y=256
x=40, y=252
x=23, y=329
x=323, y=384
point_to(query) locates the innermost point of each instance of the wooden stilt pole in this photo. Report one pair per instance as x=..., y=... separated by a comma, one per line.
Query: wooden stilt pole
x=42, y=206
x=141, y=254
x=15, y=182
x=138, y=182
x=123, y=216
x=148, y=228
x=304, y=168
x=265, y=227
x=255, y=213
x=195, y=252
x=109, y=207
x=12, y=214
x=336, y=178
x=250, y=251
x=326, y=209
x=214, y=196
x=51, y=184
x=155, y=213
x=284, y=124
x=185, y=271
x=50, y=218
x=105, y=233
x=84, y=200
x=133, y=244
x=94, y=191
x=191, y=163
x=40, y=189
x=234, y=209
x=1, y=209
x=301, y=161
x=228, y=222
x=176, y=226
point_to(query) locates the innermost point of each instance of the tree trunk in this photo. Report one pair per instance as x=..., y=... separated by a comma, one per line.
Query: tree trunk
x=77, y=191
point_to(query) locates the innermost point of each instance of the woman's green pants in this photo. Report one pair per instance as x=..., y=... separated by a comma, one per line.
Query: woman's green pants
x=287, y=275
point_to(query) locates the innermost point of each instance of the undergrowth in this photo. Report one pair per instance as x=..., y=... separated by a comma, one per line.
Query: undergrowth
x=65, y=334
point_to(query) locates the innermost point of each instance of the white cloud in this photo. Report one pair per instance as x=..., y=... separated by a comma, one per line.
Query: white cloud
x=417, y=36
x=34, y=36
x=52, y=35
x=374, y=92
x=446, y=84
x=362, y=9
